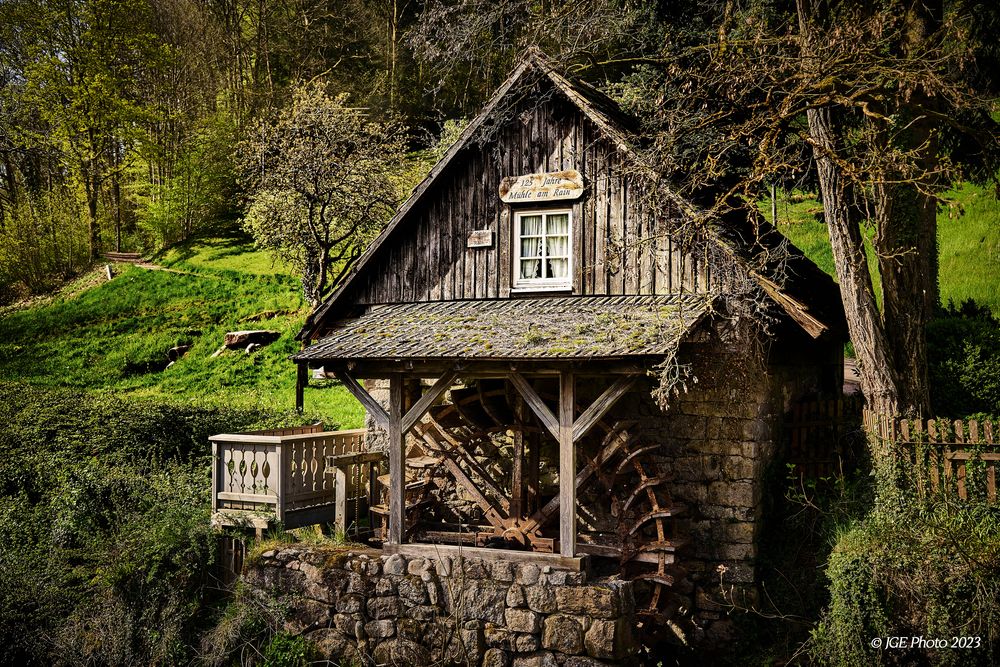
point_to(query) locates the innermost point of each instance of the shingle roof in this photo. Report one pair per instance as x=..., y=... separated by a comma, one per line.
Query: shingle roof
x=537, y=328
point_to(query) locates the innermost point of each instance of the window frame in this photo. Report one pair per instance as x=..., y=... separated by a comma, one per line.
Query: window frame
x=519, y=284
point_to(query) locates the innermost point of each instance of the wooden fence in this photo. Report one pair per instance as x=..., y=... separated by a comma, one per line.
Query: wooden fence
x=283, y=474
x=948, y=457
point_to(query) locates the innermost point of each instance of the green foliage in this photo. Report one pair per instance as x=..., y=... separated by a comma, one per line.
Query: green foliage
x=105, y=541
x=117, y=334
x=288, y=651
x=322, y=183
x=931, y=571
x=964, y=362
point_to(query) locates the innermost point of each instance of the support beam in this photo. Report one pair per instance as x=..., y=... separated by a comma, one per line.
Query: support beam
x=301, y=380
x=536, y=404
x=414, y=414
x=397, y=462
x=377, y=412
x=567, y=466
x=601, y=406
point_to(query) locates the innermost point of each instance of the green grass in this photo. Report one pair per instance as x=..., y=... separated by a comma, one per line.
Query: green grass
x=115, y=335
x=968, y=239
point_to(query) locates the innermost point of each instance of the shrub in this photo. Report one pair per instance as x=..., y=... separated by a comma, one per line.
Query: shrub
x=964, y=361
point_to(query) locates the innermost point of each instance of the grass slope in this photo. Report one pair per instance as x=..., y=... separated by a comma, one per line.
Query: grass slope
x=115, y=334
x=968, y=239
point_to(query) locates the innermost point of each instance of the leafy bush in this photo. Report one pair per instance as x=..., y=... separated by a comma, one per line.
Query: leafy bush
x=105, y=542
x=964, y=361
x=930, y=571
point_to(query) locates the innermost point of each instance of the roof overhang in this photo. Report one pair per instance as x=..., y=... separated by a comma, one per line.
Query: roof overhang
x=530, y=329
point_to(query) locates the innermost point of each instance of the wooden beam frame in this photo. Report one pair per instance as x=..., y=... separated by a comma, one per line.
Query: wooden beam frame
x=377, y=412
x=414, y=414
x=567, y=466
x=600, y=407
x=536, y=403
x=397, y=460
x=301, y=381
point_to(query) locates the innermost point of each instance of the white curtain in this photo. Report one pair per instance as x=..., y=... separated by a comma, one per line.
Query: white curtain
x=531, y=246
x=557, y=245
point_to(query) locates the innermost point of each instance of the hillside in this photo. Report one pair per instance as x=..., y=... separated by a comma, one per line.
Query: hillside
x=100, y=334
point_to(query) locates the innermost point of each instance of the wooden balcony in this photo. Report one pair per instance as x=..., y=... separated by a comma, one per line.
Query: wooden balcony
x=295, y=476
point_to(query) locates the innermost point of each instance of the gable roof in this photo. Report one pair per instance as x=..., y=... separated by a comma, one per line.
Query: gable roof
x=814, y=303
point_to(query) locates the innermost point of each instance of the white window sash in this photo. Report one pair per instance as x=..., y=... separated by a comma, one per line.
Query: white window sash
x=540, y=262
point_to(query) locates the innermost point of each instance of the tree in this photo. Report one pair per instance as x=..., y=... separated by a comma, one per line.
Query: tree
x=322, y=184
x=882, y=100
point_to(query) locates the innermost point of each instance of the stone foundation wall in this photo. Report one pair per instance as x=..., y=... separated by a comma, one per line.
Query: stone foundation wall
x=390, y=610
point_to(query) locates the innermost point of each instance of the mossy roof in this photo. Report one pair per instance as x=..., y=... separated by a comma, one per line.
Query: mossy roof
x=532, y=328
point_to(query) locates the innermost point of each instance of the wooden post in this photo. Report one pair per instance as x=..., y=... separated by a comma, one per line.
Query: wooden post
x=340, y=499
x=397, y=471
x=517, y=471
x=567, y=466
x=301, y=380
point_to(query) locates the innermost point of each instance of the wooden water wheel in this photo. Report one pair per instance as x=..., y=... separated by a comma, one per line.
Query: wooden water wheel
x=619, y=474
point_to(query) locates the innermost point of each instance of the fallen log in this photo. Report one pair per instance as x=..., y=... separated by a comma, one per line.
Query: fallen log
x=241, y=339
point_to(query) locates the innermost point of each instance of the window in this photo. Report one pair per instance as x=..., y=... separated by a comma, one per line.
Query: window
x=542, y=250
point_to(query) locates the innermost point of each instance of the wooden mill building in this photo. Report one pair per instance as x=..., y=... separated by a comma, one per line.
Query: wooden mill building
x=508, y=330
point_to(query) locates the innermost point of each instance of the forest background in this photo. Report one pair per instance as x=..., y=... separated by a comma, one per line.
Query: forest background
x=124, y=126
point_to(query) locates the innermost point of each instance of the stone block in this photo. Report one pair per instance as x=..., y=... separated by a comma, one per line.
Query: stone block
x=515, y=596
x=385, y=586
x=540, y=598
x=412, y=590
x=593, y=601
x=498, y=637
x=582, y=661
x=540, y=659
x=384, y=607
x=522, y=620
x=333, y=645
x=422, y=613
x=527, y=643
x=418, y=566
x=409, y=628
x=400, y=652
x=475, y=568
x=527, y=574
x=562, y=633
x=740, y=532
x=495, y=657
x=502, y=570
x=382, y=629
x=481, y=600
x=732, y=494
x=610, y=639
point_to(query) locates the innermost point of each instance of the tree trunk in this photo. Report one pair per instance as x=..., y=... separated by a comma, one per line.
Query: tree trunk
x=864, y=324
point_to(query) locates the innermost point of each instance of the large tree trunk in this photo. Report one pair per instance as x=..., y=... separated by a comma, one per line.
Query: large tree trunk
x=864, y=324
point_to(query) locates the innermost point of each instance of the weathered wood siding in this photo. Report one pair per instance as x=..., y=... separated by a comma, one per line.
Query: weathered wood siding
x=618, y=247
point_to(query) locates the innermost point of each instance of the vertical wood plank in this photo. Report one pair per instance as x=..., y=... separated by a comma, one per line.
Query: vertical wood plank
x=397, y=470
x=567, y=466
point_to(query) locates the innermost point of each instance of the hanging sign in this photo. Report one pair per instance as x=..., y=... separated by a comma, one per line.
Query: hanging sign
x=551, y=186
x=481, y=238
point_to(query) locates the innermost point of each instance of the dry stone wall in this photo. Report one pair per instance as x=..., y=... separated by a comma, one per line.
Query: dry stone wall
x=390, y=610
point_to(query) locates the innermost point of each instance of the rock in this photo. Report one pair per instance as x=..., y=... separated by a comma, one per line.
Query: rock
x=400, y=652
x=175, y=353
x=305, y=613
x=515, y=596
x=593, y=601
x=385, y=586
x=474, y=568
x=481, y=600
x=540, y=598
x=497, y=637
x=494, y=657
x=241, y=339
x=522, y=620
x=422, y=613
x=609, y=639
x=408, y=628
x=527, y=643
x=418, y=566
x=395, y=564
x=412, y=590
x=349, y=604
x=582, y=661
x=333, y=645
x=563, y=634
x=502, y=570
x=380, y=629
x=384, y=607
x=527, y=574
x=542, y=659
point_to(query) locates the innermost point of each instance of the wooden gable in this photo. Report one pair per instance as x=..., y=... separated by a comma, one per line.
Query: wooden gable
x=452, y=239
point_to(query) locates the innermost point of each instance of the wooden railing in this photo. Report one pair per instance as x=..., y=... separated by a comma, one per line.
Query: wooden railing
x=282, y=473
x=948, y=457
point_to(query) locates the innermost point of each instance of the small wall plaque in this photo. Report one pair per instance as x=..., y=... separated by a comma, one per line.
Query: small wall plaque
x=481, y=238
x=550, y=186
